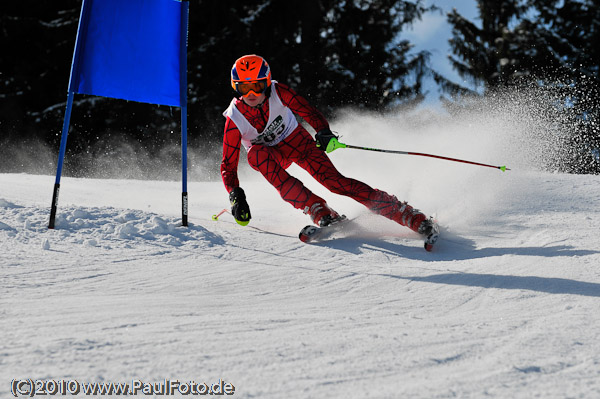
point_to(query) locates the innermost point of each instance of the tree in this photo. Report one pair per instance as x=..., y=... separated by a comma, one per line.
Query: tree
x=32, y=39
x=38, y=43
x=548, y=44
x=571, y=30
x=488, y=54
x=335, y=53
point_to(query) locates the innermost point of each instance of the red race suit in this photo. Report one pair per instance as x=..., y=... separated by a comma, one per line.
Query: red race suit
x=274, y=139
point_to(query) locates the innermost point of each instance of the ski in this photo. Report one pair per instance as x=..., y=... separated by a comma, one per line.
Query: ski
x=312, y=233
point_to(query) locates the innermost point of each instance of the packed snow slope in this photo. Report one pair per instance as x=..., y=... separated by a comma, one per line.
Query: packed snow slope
x=507, y=305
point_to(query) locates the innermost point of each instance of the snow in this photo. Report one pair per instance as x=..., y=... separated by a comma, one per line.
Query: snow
x=505, y=306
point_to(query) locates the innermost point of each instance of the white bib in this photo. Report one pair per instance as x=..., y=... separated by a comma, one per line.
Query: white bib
x=281, y=123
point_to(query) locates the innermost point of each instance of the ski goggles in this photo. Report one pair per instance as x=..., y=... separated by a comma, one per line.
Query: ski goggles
x=244, y=88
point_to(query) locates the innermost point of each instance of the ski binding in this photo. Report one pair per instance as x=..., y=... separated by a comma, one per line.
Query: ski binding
x=312, y=233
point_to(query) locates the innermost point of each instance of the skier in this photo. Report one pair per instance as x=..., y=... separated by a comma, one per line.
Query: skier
x=262, y=119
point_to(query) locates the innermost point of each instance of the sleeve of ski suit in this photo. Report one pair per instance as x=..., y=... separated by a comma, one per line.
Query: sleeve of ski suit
x=232, y=140
x=300, y=106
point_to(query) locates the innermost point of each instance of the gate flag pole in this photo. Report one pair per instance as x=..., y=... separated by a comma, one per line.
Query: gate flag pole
x=183, y=91
x=65, y=128
x=133, y=50
x=61, y=156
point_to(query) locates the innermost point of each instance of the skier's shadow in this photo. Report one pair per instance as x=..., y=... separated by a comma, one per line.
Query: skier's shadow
x=458, y=248
x=450, y=248
x=533, y=283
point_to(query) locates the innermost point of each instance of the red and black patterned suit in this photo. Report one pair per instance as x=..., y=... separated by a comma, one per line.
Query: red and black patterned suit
x=299, y=147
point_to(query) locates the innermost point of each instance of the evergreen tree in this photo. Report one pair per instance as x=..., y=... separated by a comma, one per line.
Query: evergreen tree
x=38, y=41
x=335, y=53
x=571, y=30
x=32, y=39
x=549, y=44
x=487, y=54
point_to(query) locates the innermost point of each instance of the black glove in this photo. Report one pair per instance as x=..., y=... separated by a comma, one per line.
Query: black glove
x=239, y=207
x=323, y=137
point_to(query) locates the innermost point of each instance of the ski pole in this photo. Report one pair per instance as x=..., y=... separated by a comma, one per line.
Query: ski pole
x=216, y=217
x=334, y=144
x=240, y=222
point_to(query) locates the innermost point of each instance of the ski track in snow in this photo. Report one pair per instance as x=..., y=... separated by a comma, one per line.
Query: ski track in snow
x=505, y=307
x=508, y=308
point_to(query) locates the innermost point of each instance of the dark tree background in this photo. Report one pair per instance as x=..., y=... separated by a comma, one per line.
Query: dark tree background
x=336, y=53
x=551, y=45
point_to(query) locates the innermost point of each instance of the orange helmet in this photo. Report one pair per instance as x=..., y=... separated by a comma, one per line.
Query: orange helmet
x=250, y=73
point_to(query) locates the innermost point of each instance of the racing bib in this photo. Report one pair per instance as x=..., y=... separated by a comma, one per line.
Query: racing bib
x=281, y=123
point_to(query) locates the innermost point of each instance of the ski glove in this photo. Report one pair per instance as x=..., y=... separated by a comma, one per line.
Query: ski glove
x=323, y=138
x=239, y=207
